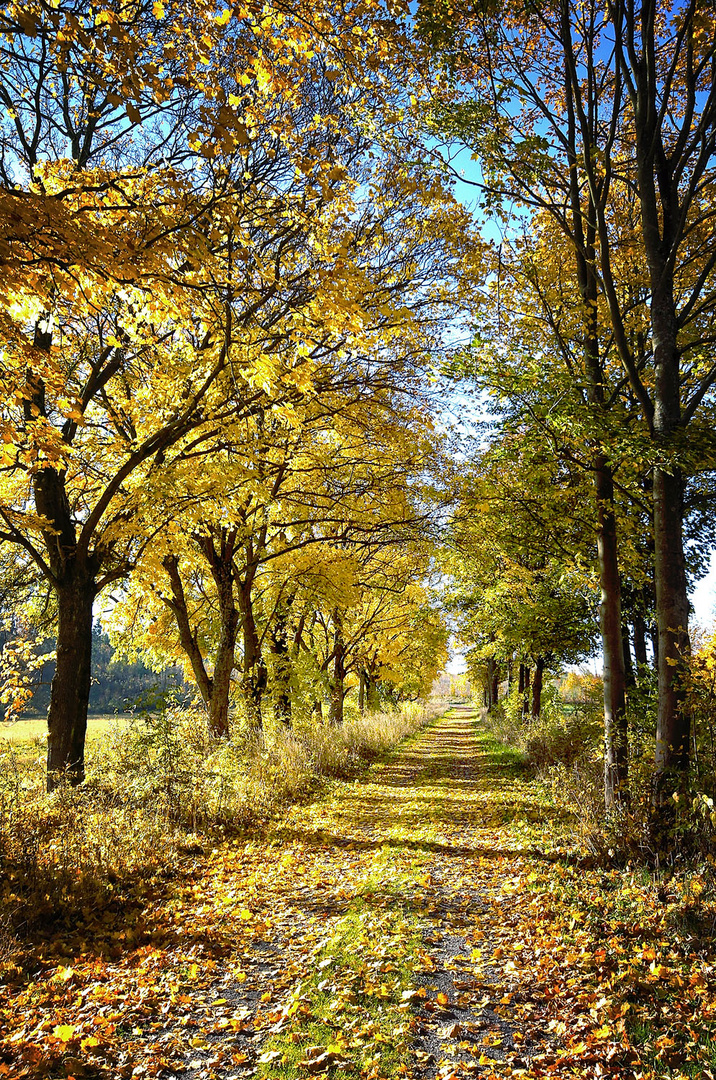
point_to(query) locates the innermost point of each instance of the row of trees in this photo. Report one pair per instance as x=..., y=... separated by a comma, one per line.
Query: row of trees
x=595, y=130
x=232, y=257
x=224, y=281
x=27, y=666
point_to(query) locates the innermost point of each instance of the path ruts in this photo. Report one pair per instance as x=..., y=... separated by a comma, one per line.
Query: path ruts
x=433, y=817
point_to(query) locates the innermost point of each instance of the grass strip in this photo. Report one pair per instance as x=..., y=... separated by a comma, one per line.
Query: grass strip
x=352, y=1013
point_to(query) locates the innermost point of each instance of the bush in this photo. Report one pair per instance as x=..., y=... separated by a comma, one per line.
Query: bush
x=569, y=729
x=565, y=746
x=61, y=851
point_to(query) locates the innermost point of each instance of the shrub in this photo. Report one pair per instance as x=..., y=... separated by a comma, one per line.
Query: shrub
x=566, y=732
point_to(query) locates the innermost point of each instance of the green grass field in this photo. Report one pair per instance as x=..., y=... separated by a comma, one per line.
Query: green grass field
x=30, y=731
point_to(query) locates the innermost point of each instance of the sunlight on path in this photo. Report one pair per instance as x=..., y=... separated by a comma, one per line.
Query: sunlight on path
x=433, y=919
x=362, y=935
x=423, y=833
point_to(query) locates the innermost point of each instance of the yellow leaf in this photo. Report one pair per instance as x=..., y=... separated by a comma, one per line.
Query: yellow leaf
x=659, y=970
x=442, y=999
x=64, y=1032
x=269, y=1055
x=245, y=915
x=158, y=9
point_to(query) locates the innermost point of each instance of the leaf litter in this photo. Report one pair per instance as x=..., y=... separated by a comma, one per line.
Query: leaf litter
x=432, y=919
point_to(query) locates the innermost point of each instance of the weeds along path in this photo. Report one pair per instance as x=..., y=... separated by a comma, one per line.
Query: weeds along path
x=410, y=923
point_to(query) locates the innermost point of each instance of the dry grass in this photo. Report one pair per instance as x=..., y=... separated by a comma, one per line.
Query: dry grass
x=156, y=786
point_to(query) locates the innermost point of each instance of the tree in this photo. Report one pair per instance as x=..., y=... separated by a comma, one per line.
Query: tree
x=579, y=109
x=258, y=552
x=167, y=170
x=516, y=555
x=534, y=358
x=375, y=625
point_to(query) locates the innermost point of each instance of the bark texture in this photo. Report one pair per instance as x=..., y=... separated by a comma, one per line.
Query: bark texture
x=639, y=631
x=254, y=677
x=282, y=667
x=616, y=745
x=537, y=681
x=215, y=688
x=67, y=717
x=338, y=673
x=673, y=728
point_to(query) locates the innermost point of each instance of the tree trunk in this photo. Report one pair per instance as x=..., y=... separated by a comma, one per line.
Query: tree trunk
x=361, y=692
x=616, y=747
x=221, y=680
x=253, y=684
x=74, y=580
x=225, y=658
x=214, y=689
x=673, y=728
x=281, y=669
x=282, y=708
x=537, y=680
x=580, y=131
x=526, y=692
x=629, y=673
x=492, y=683
x=639, y=628
x=371, y=692
x=335, y=710
x=187, y=639
x=660, y=185
x=67, y=716
x=254, y=676
x=654, y=638
x=335, y=714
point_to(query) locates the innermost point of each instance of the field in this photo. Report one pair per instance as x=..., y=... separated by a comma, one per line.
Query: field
x=34, y=730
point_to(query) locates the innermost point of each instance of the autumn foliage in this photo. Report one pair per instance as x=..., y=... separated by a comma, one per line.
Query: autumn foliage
x=332, y=336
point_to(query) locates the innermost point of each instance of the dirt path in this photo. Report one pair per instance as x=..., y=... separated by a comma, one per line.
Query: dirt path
x=365, y=934
x=422, y=835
